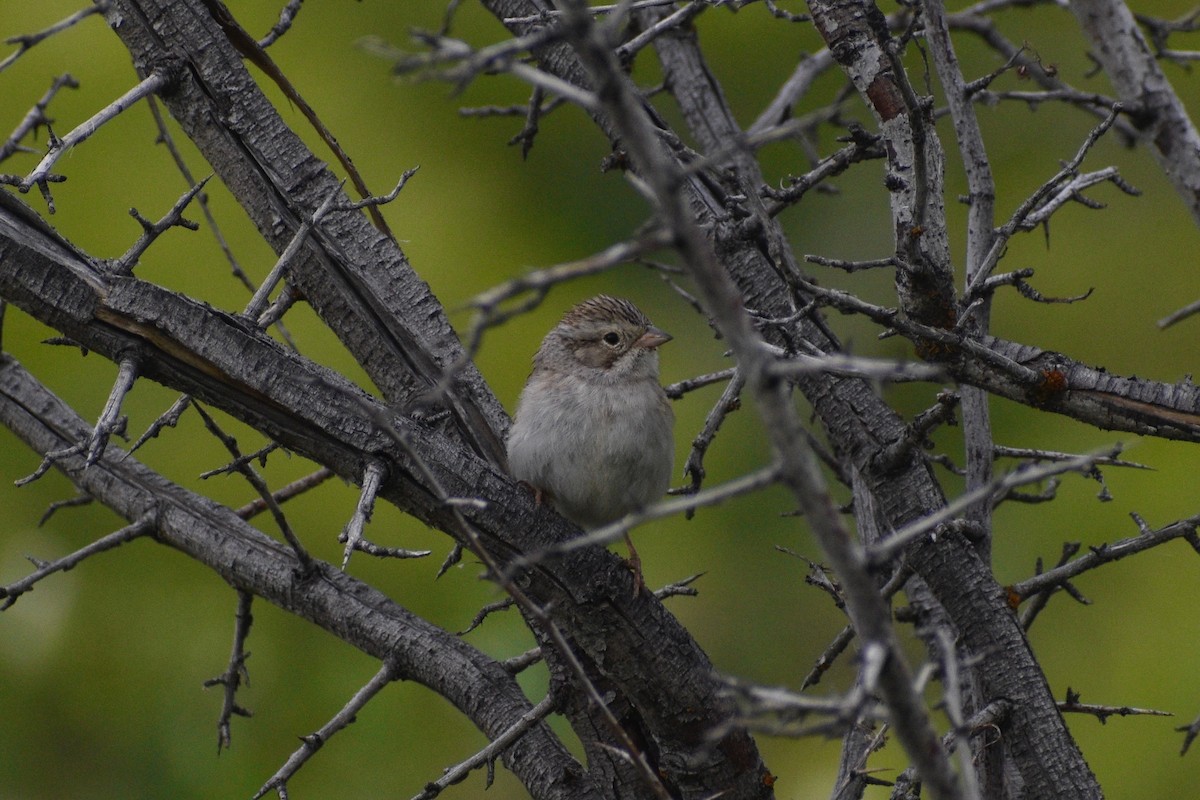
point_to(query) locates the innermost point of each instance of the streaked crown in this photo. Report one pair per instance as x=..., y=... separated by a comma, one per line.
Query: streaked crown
x=604, y=308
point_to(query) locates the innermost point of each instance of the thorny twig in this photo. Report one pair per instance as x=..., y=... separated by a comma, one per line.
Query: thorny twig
x=1190, y=732
x=886, y=549
x=168, y=141
x=35, y=118
x=489, y=754
x=152, y=230
x=293, y=489
x=314, y=741
x=28, y=40
x=1105, y=553
x=352, y=535
x=608, y=534
x=1072, y=706
x=728, y=402
x=235, y=673
x=287, y=16
x=41, y=176
x=255, y=480
x=1052, y=194
x=139, y=528
x=1038, y=602
x=109, y=422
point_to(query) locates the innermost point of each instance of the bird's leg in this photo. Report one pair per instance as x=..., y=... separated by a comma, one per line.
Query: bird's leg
x=634, y=562
x=539, y=497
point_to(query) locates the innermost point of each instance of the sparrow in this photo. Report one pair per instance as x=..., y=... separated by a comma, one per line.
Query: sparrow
x=593, y=433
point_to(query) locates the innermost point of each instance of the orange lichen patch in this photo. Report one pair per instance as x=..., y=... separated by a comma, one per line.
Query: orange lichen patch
x=931, y=350
x=885, y=97
x=1052, y=384
x=1054, y=380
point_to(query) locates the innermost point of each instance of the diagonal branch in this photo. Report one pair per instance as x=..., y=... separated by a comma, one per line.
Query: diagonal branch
x=250, y=561
x=355, y=277
x=1161, y=117
x=798, y=466
x=1104, y=554
x=858, y=421
x=858, y=37
x=313, y=742
x=29, y=40
x=12, y=591
x=219, y=360
x=40, y=175
x=490, y=753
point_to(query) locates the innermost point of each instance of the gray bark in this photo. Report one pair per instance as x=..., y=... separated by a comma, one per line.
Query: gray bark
x=1158, y=113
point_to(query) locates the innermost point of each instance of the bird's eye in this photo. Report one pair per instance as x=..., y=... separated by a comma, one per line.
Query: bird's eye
x=612, y=339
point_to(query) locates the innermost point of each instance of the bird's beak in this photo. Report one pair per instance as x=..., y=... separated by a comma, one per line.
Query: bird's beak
x=652, y=338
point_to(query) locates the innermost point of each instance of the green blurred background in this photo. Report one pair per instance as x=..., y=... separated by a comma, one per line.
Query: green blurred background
x=101, y=668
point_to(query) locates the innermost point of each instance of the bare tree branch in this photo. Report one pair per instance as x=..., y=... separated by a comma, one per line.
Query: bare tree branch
x=235, y=673
x=1117, y=42
x=316, y=740
x=252, y=562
